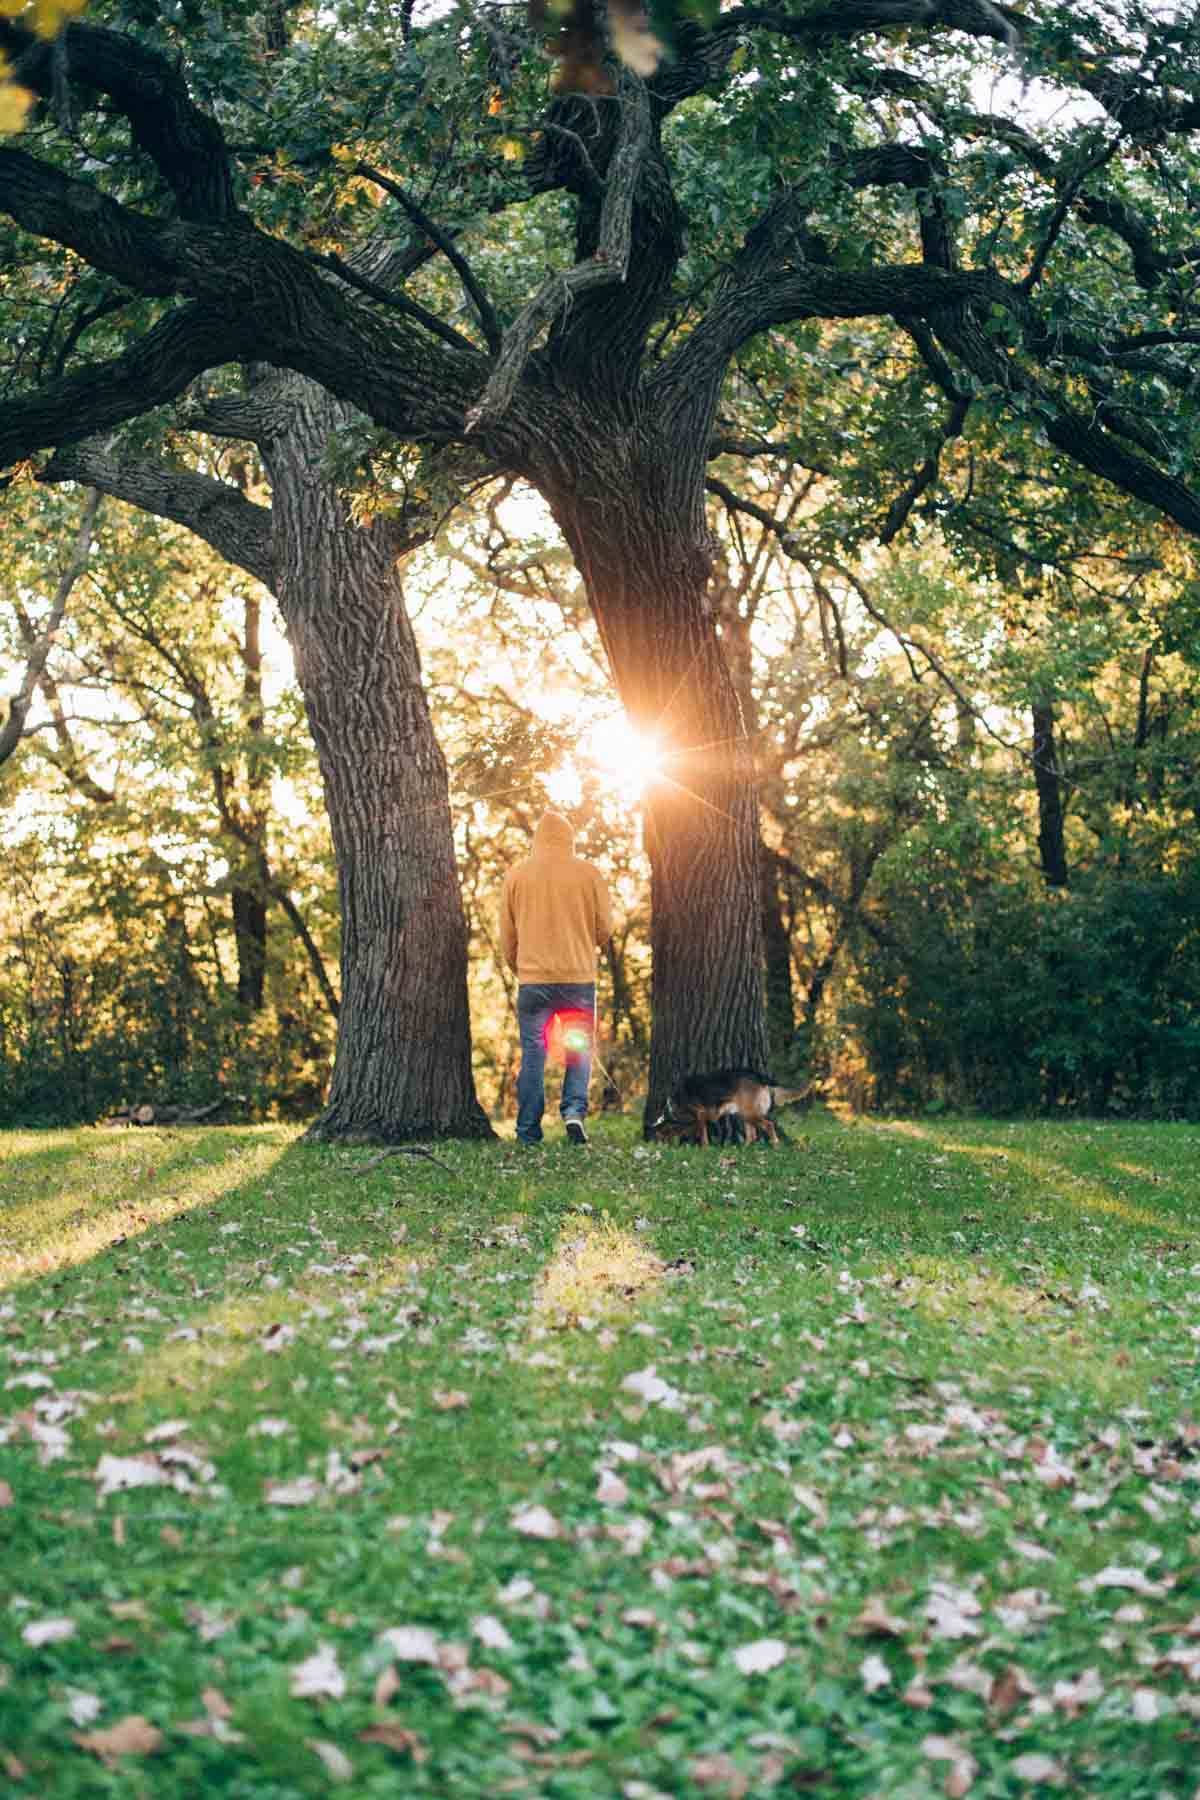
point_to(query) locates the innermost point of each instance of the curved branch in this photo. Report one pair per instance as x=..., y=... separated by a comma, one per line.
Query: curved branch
x=217, y=512
x=185, y=144
x=607, y=266
x=156, y=369
x=448, y=248
x=18, y=711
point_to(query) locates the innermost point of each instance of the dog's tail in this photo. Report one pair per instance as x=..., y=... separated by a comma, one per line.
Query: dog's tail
x=792, y=1096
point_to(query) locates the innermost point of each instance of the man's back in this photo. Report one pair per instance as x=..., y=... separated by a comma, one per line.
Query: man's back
x=555, y=909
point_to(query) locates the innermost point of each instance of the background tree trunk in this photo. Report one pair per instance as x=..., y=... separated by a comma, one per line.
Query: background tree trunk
x=777, y=949
x=403, y=1063
x=1051, y=843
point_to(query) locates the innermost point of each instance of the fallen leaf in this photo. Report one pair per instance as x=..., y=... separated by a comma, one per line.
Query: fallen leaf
x=1035, y=1765
x=117, y=1473
x=1071, y=1696
x=398, y=1738
x=491, y=1633
x=293, y=1493
x=763, y=1654
x=648, y=1385
x=719, y=1771
x=952, y=1611
x=131, y=1736
x=337, y=1764
x=6, y=1494
x=875, y=1673
x=1133, y=1579
x=387, y=1685
x=876, y=1621
x=318, y=1677
x=536, y=1522
x=1009, y=1689
x=83, y=1708
x=48, y=1631
x=611, y=1490
x=411, y=1643
x=450, y=1399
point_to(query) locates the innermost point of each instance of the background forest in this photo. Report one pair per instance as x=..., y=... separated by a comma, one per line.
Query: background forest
x=979, y=879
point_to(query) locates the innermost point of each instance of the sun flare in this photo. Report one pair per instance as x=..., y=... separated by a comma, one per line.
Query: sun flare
x=622, y=760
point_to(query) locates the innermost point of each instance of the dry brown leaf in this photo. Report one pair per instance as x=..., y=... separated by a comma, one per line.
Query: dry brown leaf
x=12, y=1765
x=215, y=1704
x=876, y=1621
x=131, y=1736
x=529, y=1728
x=360, y=1458
x=398, y=1738
x=450, y=1399
x=6, y=1494
x=720, y=1773
x=387, y=1684
x=1009, y=1689
x=338, y=1766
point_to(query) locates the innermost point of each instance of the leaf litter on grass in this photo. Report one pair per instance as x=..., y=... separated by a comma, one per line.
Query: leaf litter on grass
x=790, y=1453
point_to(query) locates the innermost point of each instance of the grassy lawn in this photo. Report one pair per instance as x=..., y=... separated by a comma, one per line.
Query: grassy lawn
x=869, y=1466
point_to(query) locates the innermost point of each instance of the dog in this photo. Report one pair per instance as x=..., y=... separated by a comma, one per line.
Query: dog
x=741, y=1095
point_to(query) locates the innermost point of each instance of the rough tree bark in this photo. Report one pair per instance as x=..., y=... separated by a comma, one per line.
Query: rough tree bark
x=642, y=553
x=403, y=1065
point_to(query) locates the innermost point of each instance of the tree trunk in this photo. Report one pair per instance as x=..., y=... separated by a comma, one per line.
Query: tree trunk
x=777, y=947
x=249, y=909
x=1051, y=843
x=638, y=535
x=403, y=1063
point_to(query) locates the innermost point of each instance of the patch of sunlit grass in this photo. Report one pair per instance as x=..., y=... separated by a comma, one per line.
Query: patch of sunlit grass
x=597, y=1269
x=87, y=1212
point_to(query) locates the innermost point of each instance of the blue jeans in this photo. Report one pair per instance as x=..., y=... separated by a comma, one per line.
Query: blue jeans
x=538, y=1004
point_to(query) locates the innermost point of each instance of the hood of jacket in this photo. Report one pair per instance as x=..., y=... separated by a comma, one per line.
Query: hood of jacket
x=553, y=836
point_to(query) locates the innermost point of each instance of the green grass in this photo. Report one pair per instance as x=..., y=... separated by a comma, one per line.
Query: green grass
x=945, y=1373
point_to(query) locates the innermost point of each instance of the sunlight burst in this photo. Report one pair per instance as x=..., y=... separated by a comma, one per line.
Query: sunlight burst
x=622, y=760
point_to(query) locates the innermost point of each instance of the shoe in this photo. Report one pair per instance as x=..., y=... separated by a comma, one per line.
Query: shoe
x=575, y=1132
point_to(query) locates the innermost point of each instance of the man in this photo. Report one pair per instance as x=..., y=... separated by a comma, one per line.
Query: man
x=554, y=915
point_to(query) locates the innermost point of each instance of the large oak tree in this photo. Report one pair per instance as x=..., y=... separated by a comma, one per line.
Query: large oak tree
x=1021, y=255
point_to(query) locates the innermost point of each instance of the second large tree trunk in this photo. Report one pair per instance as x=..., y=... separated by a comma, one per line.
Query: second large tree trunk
x=403, y=1063
x=637, y=534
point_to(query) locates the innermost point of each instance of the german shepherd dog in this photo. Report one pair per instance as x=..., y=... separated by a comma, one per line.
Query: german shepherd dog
x=733, y=1094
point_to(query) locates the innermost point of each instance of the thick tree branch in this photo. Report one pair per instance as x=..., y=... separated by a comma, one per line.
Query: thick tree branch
x=454, y=256
x=39, y=650
x=217, y=512
x=100, y=395
x=608, y=264
x=185, y=144
x=926, y=475
x=854, y=18
x=130, y=247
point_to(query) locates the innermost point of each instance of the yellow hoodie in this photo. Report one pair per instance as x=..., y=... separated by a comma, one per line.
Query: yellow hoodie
x=555, y=911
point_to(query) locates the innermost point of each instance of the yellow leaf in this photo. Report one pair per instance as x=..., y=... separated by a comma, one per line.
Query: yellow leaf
x=15, y=103
x=495, y=104
x=49, y=16
x=511, y=149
